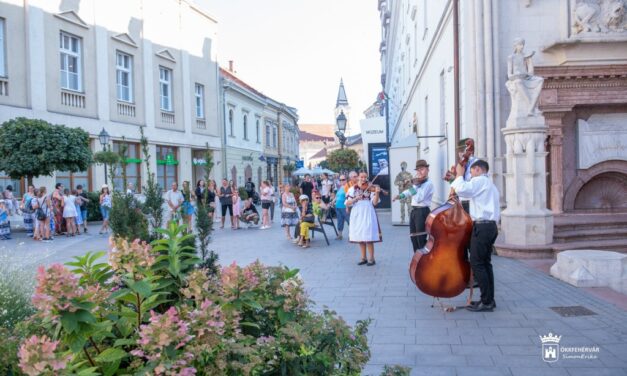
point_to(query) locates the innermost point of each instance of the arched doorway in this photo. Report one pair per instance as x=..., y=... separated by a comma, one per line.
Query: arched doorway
x=234, y=174
x=248, y=173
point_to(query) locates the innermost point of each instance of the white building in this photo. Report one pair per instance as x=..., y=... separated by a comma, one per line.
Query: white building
x=261, y=133
x=117, y=65
x=447, y=79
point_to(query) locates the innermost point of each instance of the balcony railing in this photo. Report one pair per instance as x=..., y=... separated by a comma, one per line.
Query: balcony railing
x=72, y=99
x=4, y=86
x=126, y=109
x=167, y=117
x=201, y=124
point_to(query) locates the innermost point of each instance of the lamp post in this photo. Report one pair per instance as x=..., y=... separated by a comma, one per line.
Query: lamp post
x=341, y=126
x=104, y=141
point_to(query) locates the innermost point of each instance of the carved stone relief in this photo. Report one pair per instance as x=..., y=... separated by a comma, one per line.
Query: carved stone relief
x=594, y=17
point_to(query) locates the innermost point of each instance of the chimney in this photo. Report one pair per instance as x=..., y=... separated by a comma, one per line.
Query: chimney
x=231, y=66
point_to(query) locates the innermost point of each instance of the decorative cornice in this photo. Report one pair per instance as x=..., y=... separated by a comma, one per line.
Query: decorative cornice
x=166, y=55
x=72, y=17
x=126, y=39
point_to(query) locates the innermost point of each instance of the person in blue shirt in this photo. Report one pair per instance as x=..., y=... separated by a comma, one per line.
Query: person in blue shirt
x=340, y=207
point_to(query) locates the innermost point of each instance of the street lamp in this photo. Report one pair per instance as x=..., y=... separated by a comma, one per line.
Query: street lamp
x=341, y=126
x=104, y=141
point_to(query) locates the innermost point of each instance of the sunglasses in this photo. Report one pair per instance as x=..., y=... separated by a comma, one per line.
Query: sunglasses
x=342, y=179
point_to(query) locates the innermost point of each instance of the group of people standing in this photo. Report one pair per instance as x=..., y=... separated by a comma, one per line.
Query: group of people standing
x=61, y=212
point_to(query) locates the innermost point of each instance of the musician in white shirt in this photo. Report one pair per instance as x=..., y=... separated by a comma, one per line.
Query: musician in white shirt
x=421, y=195
x=485, y=213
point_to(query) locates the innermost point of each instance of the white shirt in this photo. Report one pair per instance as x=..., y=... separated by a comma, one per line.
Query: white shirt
x=483, y=195
x=175, y=198
x=422, y=196
x=325, y=189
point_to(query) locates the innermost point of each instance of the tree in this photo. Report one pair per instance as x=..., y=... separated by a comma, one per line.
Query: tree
x=343, y=160
x=153, y=206
x=32, y=148
x=204, y=220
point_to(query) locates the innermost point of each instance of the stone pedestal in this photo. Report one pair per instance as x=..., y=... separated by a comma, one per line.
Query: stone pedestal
x=590, y=268
x=526, y=221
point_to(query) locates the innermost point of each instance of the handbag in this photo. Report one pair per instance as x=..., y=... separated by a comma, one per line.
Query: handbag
x=309, y=218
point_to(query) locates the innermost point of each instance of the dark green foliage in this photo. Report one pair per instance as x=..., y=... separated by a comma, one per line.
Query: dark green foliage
x=242, y=193
x=204, y=223
x=126, y=218
x=153, y=206
x=395, y=370
x=32, y=148
x=93, y=207
x=343, y=160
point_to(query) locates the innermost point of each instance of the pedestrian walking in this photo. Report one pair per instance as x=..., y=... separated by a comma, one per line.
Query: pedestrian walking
x=105, y=208
x=174, y=199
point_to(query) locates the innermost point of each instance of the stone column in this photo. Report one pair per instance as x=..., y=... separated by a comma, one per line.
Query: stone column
x=526, y=221
x=555, y=123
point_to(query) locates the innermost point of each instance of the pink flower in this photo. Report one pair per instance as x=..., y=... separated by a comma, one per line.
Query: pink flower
x=163, y=331
x=130, y=258
x=56, y=287
x=37, y=356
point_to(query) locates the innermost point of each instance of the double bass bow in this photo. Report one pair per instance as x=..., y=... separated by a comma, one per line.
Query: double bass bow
x=440, y=269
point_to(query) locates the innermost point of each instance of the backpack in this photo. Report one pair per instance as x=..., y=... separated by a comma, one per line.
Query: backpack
x=40, y=214
x=249, y=186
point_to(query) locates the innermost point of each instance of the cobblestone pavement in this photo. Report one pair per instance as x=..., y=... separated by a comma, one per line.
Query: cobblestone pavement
x=405, y=329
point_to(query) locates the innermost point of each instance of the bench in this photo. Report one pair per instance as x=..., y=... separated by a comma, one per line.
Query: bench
x=322, y=220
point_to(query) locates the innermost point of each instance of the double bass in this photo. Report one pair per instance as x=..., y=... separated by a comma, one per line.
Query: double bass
x=441, y=269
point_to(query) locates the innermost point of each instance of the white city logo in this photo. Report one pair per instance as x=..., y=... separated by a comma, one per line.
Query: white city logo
x=550, y=347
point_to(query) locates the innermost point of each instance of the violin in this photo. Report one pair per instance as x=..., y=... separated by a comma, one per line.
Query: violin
x=416, y=181
x=368, y=187
x=469, y=151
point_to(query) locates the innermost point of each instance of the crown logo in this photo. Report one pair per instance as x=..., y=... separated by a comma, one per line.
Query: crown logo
x=551, y=338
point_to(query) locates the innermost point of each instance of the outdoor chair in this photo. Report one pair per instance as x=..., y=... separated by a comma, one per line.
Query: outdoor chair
x=321, y=221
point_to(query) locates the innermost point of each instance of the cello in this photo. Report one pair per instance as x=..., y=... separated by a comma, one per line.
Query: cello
x=441, y=269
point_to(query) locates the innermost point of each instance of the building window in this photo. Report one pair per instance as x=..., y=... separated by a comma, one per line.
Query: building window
x=257, y=130
x=70, y=52
x=72, y=179
x=246, y=127
x=133, y=167
x=124, y=76
x=3, y=69
x=167, y=166
x=199, y=92
x=231, y=123
x=274, y=138
x=268, y=135
x=165, y=88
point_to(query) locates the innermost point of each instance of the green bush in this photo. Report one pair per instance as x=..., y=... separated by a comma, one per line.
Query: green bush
x=93, y=207
x=243, y=195
x=151, y=311
x=395, y=370
x=126, y=218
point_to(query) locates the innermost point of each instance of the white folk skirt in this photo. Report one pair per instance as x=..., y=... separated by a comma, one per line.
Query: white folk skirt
x=364, y=224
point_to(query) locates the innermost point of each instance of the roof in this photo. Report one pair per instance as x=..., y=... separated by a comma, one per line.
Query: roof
x=354, y=140
x=322, y=153
x=341, y=96
x=324, y=130
x=306, y=136
x=233, y=78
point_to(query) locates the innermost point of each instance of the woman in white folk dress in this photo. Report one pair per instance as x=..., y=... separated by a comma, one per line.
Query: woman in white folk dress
x=364, y=228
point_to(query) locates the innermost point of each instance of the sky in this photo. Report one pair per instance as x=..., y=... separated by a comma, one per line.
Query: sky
x=296, y=51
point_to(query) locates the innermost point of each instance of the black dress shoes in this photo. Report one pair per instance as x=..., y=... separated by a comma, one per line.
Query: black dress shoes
x=362, y=262
x=481, y=307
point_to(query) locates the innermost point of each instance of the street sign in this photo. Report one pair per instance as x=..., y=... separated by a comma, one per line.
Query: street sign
x=300, y=164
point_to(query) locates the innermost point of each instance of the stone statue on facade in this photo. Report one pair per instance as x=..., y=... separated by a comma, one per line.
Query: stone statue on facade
x=598, y=17
x=403, y=182
x=523, y=86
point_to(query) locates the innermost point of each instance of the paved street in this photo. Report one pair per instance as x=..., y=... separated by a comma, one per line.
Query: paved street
x=405, y=329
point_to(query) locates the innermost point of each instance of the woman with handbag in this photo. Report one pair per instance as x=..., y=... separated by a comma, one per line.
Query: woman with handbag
x=289, y=216
x=42, y=206
x=306, y=221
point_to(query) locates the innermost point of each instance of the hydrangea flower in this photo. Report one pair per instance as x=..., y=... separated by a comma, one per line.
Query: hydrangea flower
x=292, y=290
x=130, y=257
x=56, y=287
x=37, y=356
x=163, y=330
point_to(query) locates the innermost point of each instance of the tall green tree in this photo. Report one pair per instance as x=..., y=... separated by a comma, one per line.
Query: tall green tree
x=343, y=160
x=32, y=148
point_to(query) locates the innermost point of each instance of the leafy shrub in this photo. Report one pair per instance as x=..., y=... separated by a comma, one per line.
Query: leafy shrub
x=93, y=207
x=243, y=195
x=150, y=312
x=126, y=218
x=395, y=370
x=16, y=288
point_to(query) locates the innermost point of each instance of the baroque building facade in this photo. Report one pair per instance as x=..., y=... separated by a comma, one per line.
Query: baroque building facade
x=116, y=65
x=444, y=70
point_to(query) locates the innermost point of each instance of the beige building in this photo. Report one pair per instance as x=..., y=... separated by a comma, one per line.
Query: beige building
x=116, y=65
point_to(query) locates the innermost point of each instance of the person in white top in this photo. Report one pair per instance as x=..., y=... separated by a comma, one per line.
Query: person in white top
x=174, y=199
x=485, y=213
x=326, y=187
x=364, y=224
x=421, y=193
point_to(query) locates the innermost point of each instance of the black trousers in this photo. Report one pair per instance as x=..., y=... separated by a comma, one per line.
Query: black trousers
x=417, y=221
x=481, y=243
